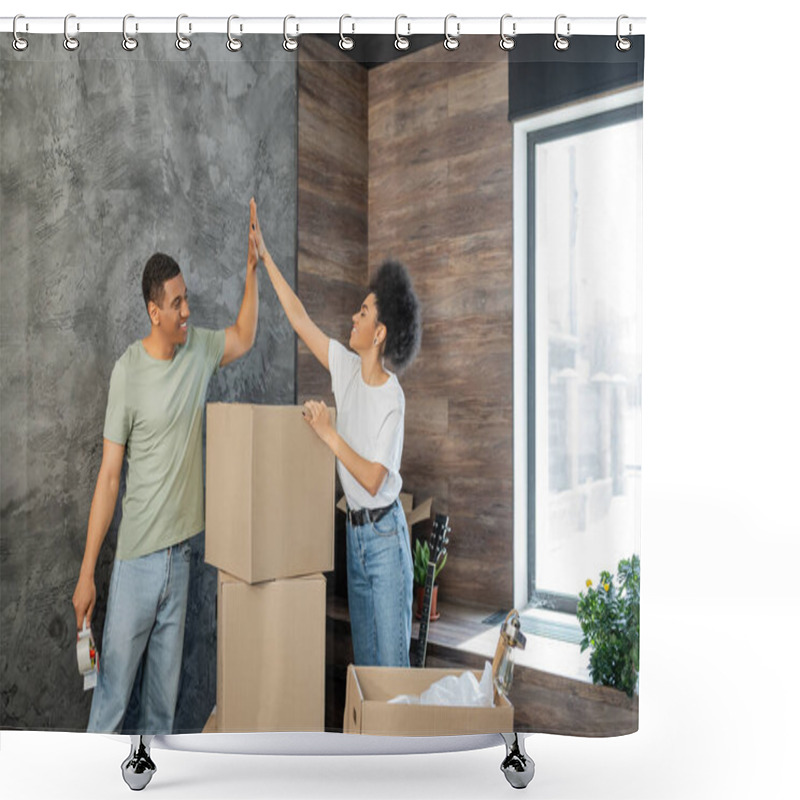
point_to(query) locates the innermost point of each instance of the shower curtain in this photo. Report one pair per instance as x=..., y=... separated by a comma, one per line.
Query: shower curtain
x=509, y=184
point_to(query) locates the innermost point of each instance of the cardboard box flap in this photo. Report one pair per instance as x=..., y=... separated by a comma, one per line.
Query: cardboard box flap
x=224, y=577
x=421, y=512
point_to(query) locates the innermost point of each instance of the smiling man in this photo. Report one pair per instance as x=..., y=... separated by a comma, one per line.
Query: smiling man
x=154, y=416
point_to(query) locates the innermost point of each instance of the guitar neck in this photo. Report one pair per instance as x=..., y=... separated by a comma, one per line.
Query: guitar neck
x=422, y=640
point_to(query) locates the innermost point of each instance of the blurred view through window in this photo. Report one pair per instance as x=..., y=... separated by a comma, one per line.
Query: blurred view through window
x=584, y=333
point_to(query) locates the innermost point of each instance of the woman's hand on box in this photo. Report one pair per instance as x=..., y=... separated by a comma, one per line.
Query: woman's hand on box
x=370, y=474
x=316, y=414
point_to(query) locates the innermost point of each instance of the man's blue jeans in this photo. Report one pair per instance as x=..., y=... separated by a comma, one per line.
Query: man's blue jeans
x=145, y=619
x=379, y=589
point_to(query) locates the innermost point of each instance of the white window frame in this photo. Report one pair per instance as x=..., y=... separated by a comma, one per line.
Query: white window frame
x=540, y=121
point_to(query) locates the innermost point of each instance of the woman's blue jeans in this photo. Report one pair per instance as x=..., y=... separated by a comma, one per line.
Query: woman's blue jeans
x=145, y=619
x=379, y=590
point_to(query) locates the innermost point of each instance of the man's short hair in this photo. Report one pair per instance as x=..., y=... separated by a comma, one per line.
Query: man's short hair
x=157, y=271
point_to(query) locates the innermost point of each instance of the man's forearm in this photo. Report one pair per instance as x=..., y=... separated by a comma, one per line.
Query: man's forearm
x=247, y=321
x=100, y=516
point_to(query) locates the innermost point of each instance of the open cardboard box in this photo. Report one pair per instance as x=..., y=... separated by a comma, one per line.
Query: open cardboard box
x=413, y=514
x=368, y=711
x=270, y=493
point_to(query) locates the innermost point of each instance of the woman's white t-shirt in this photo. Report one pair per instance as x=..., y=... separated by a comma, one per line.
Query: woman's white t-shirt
x=370, y=420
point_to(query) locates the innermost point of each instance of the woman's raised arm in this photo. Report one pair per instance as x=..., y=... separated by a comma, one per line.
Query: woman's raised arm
x=316, y=341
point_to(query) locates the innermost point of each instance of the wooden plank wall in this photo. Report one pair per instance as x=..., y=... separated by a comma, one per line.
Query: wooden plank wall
x=332, y=199
x=440, y=200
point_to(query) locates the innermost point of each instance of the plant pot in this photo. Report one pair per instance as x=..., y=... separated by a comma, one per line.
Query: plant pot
x=434, y=602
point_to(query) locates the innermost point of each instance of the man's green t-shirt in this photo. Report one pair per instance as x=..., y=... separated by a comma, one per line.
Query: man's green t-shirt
x=155, y=408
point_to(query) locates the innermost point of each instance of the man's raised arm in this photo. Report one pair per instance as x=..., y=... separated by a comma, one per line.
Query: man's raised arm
x=240, y=336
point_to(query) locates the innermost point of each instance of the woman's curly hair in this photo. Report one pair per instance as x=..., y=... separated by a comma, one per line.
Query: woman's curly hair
x=398, y=310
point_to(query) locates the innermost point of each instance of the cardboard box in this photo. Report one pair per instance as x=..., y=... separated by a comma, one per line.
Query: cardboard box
x=211, y=724
x=367, y=710
x=270, y=493
x=271, y=655
x=413, y=514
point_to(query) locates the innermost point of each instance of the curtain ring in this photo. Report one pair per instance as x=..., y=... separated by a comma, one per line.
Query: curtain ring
x=401, y=42
x=70, y=42
x=507, y=42
x=561, y=43
x=128, y=42
x=19, y=44
x=622, y=43
x=182, y=42
x=233, y=44
x=289, y=42
x=346, y=42
x=451, y=42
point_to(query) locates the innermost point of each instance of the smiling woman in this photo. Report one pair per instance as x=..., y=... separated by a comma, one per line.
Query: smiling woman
x=368, y=445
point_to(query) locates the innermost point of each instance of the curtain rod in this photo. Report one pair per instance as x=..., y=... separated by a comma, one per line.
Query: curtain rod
x=296, y=26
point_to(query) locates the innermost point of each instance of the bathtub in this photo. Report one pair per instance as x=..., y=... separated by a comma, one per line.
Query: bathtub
x=139, y=766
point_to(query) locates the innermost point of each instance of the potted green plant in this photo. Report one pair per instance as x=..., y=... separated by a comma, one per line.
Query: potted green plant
x=422, y=555
x=609, y=619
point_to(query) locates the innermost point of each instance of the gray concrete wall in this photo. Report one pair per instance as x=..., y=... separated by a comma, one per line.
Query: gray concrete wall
x=108, y=156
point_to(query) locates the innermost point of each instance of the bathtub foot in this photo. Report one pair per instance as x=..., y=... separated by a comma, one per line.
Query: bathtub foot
x=518, y=766
x=138, y=768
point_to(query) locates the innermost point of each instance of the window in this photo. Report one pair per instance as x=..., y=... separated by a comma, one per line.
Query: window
x=577, y=346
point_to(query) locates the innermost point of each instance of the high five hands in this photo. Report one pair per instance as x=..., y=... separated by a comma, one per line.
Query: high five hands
x=261, y=248
x=252, y=238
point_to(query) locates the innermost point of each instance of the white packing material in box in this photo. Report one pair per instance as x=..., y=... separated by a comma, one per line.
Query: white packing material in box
x=452, y=690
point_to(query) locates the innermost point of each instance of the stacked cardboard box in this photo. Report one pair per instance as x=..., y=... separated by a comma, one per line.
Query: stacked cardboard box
x=270, y=484
x=271, y=654
x=270, y=493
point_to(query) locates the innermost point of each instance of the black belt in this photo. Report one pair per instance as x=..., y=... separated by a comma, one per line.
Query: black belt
x=361, y=516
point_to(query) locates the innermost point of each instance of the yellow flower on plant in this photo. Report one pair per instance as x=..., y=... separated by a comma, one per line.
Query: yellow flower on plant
x=588, y=582
x=606, y=586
